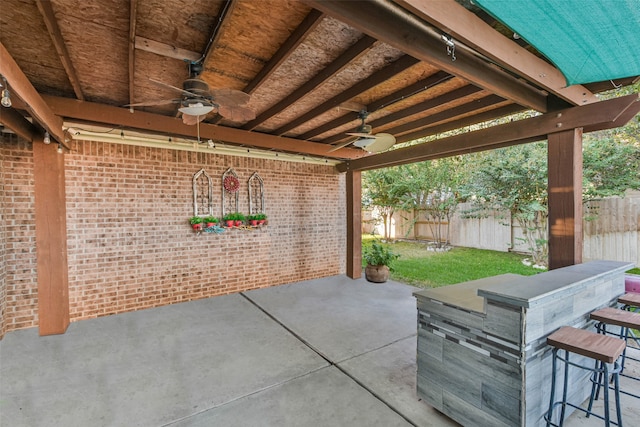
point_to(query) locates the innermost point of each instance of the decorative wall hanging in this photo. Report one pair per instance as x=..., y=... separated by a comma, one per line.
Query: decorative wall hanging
x=256, y=194
x=230, y=192
x=202, y=194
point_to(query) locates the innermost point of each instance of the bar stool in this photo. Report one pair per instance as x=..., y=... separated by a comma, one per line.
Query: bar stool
x=629, y=301
x=601, y=348
x=626, y=320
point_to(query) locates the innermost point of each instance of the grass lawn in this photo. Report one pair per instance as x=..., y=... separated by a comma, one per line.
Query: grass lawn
x=427, y=269
x=420, y=267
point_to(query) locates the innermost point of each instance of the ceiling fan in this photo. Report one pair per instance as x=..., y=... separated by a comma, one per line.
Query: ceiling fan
x=198, y=99
x=365, y=139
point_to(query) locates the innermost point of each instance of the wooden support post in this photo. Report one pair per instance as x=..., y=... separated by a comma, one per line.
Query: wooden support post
x=51, y=238
x=565, y=198
x=354, y=224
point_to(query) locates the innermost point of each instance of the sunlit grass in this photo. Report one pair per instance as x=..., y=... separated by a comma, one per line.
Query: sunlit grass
x=420, y=267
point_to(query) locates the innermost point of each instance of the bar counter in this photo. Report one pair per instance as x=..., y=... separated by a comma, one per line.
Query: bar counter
x=482, y=353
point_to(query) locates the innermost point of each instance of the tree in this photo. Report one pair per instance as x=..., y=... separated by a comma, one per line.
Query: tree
x=514, y=179
x=429, y=189
x=383, y=189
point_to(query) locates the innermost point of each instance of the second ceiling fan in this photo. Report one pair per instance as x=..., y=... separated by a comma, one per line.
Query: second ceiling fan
x=373, y=143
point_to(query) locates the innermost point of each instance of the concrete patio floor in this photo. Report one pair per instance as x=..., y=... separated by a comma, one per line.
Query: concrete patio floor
x=326, y=352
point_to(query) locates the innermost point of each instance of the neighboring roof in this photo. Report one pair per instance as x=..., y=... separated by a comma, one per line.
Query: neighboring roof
x=588, y=40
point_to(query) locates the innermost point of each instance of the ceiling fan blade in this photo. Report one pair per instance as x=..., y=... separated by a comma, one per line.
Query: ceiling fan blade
x=360, y=134
x=383, y=141
x=236, y=113
x=152, y=103
x=190, y=120
x=230, y=97
x=339, y=146
x=182, y=91
x=352, y=106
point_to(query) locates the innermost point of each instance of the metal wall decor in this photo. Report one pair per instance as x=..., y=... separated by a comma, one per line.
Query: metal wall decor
x=202, y=194
x=256, y=194
x=230, y=193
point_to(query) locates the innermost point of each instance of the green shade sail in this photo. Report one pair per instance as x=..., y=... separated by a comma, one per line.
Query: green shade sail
x=587, y=40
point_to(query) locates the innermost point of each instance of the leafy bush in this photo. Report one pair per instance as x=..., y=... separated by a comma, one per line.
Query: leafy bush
x=378, y=254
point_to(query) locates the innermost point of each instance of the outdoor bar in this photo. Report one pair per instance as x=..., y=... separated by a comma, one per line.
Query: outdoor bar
x=482, y=353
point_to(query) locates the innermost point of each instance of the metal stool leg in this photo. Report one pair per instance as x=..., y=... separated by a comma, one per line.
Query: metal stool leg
x=565, y=386
x=553, y=386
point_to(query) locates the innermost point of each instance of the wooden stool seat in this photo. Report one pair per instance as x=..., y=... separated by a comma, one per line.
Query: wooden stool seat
x=617, y=317
x=631, y=299
x=586, y=343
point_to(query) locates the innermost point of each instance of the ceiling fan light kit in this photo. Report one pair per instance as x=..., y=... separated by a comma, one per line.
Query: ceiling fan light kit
x=363, y=142
x=196, y=109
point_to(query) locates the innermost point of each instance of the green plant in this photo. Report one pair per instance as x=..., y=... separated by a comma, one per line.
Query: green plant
x=234, y=216
x=378, y=254
x=209, y=219
x=260, y=216
x=195, y=220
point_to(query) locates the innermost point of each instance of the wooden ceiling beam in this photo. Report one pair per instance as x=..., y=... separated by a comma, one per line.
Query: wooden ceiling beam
x=464, y=26
x=373, y=80
x=600, y=115
x=482, y=117
x=392, y=98
x=417, y=125
x=391, y=24
x=115, y=116
x=365, y=43
x=219, y=29
x=309, y=23
x=133, y=19
x=35, y=105
x=13, y=120
x=46, y=10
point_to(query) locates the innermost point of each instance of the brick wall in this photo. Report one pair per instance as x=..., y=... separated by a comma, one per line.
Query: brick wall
x=130, y=245
x=18, y=286
x=3, y=248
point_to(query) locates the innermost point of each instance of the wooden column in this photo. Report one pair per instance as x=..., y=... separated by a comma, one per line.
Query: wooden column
x=354, y=224
x=565, y=198
x=51, y=238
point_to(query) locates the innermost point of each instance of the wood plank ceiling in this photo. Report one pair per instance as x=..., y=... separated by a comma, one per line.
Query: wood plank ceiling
x=309, y=66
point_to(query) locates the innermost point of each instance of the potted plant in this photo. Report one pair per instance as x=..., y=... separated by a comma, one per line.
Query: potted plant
x=196, y=222
x=239, y=219
x=229, y=219
x=210, y=221
x=261, y=217
x=253, y=220
x=378, y=258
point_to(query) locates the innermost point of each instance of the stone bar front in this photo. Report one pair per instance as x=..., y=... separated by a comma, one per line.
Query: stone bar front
x=482, y=353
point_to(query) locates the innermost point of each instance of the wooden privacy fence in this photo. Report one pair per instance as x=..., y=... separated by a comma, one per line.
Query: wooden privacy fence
x=611, y=232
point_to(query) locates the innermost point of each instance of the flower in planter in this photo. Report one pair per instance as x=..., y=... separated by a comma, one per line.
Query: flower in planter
x=261, y=218
x=234, y=219
x=210, y=221
x=196, y=222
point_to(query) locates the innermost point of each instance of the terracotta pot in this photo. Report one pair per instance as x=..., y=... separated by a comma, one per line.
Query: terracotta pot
x=197, y=226
x=230, y=223
x=376, y=273
x=238, y=223
x=254, y=222
x=210, y=224
x=261, y=221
